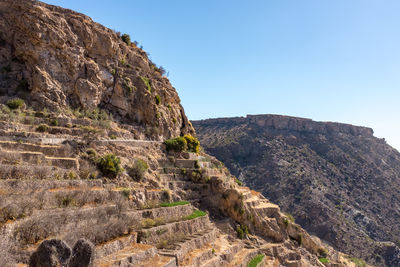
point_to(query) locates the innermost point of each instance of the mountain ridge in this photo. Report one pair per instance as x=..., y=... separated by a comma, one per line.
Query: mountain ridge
x=338, y=180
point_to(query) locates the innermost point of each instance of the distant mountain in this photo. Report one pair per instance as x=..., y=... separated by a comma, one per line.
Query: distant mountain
x=337, y=180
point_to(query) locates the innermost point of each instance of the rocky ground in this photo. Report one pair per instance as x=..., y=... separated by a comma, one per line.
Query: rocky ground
x=338, y=181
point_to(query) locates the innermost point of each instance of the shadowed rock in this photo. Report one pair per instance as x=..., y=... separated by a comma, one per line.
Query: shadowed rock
x=51, y=253
x=82, y=254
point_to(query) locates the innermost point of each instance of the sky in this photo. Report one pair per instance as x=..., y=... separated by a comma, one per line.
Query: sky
x=324, y=60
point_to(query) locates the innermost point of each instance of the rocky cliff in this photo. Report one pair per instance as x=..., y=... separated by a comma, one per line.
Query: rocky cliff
x=58, y=59
x=337, y=180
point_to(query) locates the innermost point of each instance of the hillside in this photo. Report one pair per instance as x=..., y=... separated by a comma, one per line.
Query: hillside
x=338, y=181
x=85, y=177
x=60, y=60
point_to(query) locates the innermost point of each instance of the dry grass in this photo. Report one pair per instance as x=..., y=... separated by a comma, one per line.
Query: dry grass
x=7, y=256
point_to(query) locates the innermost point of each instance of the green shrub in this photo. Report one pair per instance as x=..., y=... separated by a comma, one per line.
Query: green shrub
x=146, y=82
x=113, y=136
x=138, y=169
x=193, y=144
x=290, y=217
x=323, y=252
x=242, y=231
x=173, y=204
x=163, y=244
x=300, y=239
x=239, y=232
x=286, y=222
x=72, y=175
x=67, y=201
x=91, y=153
x=178, y=144
x=238, y=182
x=161, y=231
x=110, y=165
x=256, y=260
x=15, y=103
x=158, y=99
x=54, y=122
x=323, y=260
x=147, y=223
x=195, y=214
x=42, y=128
x=126, y=38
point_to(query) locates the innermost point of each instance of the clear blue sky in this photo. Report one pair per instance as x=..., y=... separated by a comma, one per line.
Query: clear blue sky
x=325, y=60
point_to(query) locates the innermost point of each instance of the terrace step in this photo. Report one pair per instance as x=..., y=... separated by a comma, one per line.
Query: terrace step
x=174, y=170
x=267, y=209
x=158, y=261
x=64, y=196
x=191, y=243
x=38, y=158
x=253, y=201
x=26, y=187
x=185, y=163
x=242, y=257
x=40, y=140
x=28, y=172
x=128, y=256
x=246, y=194
x=211, y=254
x=172, y=230
x=47, y=150
x=114, y=245
x=185, y=185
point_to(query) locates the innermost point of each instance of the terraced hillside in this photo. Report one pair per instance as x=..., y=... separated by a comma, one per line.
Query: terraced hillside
x=337, y=180
x=51, y=189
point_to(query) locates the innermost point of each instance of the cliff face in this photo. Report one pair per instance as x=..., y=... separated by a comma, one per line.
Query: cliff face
x=59, y=59
x=338, y=180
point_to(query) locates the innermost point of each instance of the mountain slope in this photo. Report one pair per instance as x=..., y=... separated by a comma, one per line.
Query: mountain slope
x=85, y=178
x=339, y=181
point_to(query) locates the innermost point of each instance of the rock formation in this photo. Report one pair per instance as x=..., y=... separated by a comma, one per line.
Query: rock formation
x=51, y=253
x=337, y=180
x=59, y=59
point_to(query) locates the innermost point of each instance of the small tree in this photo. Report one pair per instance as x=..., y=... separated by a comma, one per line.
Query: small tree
x=193, y=144
x=126, y=38
x=138, y=169
x=110, y=165
x=42, y=128
x=178, y=144
x=15, y=103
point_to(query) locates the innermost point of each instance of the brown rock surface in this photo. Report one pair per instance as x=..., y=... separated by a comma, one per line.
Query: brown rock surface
x=57, y=58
